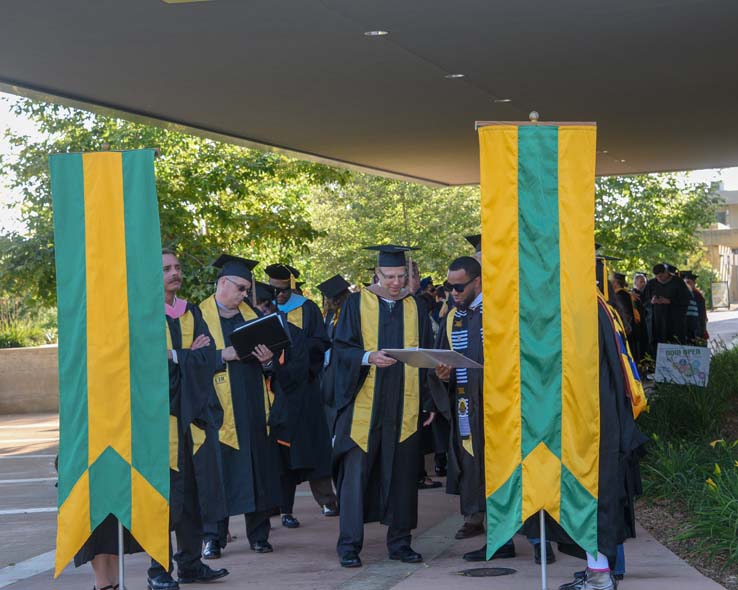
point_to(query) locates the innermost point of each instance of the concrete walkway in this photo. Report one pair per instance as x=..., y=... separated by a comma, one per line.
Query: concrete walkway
x=304, y=558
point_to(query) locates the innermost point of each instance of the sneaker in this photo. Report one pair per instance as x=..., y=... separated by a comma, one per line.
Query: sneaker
x=290, y=521
x=591, y=581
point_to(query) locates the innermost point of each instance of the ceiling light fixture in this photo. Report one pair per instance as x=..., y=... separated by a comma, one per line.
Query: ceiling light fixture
x=502, y=100
x=453, y=76
x=622, y=161
x=375, y=33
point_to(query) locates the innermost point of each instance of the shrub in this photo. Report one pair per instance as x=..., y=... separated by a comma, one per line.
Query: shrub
x=19, y=328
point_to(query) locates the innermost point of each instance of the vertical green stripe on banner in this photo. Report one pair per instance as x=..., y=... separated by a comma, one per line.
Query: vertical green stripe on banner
x=148, y=354
x=67, y=190
x=110, y=486
x=578, y=512
x=540, y=321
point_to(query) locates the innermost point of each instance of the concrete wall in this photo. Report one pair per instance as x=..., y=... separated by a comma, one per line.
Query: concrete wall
x=29, y=380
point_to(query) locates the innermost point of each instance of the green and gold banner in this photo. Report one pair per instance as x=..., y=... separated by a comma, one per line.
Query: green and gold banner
x=113, y=375
x=541, y=351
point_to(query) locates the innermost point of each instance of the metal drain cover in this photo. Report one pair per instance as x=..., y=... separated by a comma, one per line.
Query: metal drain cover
x=487, y=572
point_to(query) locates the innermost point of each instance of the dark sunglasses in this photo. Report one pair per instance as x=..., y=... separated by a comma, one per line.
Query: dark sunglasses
x=459, y=287
x=279, y=290
x=241, y=288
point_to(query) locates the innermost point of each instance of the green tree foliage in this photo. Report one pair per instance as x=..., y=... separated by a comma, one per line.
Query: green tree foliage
x=216, y=197
x=653, y=218
x=213, y=197
x=372, y=210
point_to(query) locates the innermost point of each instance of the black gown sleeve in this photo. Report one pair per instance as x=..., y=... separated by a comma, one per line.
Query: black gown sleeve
x=439, y=390
x=348, y=352
x=196, y=369
x=316, y=337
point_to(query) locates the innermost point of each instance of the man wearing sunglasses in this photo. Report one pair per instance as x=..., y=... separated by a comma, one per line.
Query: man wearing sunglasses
x=462, y=332
x=309, y=455
x=249, y=458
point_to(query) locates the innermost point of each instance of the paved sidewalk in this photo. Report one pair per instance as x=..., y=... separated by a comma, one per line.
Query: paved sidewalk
x=304, y=558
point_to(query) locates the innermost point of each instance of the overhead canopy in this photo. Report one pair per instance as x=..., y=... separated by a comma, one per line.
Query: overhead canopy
x=299, y=75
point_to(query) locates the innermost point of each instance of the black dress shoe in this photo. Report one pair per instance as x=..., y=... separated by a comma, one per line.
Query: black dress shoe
x=162, y=582
x=505, y=552
x=550, y=555
x=262, y=547
x=350, y=559
x=406, y=555
x=290, y=521
x=468, y=530
x=211, y=550
x=428, y=484
x=203, y=573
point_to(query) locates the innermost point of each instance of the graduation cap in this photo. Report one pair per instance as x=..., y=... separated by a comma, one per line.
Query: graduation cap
x=618, y=276
x=475, y=240
x=334, y=286
x=282, y=272
x=265, y=292
x=425, y=282
x=390, y=254
x=688, y=274
x=671, y=268
x=234, y=266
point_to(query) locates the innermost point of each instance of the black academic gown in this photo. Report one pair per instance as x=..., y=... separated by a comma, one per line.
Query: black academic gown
x=391, y=468
x=626, y=308
x=640, y=331
x=328, y=377
x=193, y=402
x=250, y=473
x=621, y=446
x=668, y=321
x=465, y=471
x=310, y=440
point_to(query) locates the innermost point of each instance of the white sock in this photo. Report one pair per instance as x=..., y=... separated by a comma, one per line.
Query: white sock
x=599, y=563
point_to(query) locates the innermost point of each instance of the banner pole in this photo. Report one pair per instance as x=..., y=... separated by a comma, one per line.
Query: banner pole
x=121, y=568
x=542, y=521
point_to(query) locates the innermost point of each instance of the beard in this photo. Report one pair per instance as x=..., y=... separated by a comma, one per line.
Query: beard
x=464, y=304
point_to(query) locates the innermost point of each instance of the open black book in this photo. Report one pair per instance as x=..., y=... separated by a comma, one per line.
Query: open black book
x=270, y=330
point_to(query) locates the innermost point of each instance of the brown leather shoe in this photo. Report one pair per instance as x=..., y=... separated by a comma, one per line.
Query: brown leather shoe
x=468, y=530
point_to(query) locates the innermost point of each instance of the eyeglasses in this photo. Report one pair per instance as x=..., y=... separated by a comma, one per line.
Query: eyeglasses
x=279, y=290
x=398, y=277
x=459, y=287
x=241, y=288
